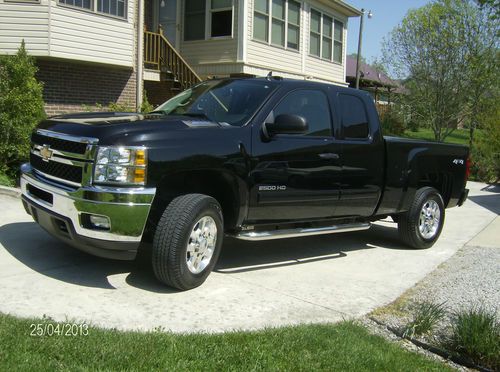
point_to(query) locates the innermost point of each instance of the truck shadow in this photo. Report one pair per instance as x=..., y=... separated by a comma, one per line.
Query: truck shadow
x=35, y=249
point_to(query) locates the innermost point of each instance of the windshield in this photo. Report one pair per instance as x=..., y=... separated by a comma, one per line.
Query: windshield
x=230, y=102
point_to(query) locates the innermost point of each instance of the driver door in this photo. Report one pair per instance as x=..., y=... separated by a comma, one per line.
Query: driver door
x=296, y=177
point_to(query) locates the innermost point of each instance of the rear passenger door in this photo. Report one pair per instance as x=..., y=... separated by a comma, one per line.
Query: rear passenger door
x=362, y=155
x=296, y=176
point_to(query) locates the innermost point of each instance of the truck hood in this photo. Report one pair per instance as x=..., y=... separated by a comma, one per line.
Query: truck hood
x=121, y=128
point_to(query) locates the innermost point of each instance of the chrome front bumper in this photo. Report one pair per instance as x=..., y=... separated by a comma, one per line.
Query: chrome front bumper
x=62, y=211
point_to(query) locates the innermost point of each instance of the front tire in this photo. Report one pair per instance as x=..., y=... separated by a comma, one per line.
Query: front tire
x=421, y=225
x=187, y=241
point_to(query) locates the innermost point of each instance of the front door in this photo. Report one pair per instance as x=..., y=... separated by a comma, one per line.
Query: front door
x=296, y=177
x=167, y=20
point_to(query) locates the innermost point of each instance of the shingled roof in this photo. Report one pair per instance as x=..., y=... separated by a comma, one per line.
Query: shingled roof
x=368, y=74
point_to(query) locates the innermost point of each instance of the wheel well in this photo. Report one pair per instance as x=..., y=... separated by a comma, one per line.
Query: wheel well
x=442, y=182
x=216, y=184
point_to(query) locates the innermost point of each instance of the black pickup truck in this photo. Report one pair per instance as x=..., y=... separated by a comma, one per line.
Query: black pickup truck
x=256, y=159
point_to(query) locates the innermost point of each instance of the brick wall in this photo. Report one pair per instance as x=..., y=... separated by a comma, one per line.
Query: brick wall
x=73, y=87
x=159, y=91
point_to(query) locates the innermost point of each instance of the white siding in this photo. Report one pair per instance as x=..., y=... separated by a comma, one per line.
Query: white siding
x=54, y=30
x=20, y=21
x=275, y=58
x=211, y=51
x=316, y=67
x=291, y=63
x=86, y=36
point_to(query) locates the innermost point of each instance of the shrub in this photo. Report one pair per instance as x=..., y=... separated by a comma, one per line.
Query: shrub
x=486, y=153
x=476, y=334
x=425, y=317
x=391, y=122
x=21, y=108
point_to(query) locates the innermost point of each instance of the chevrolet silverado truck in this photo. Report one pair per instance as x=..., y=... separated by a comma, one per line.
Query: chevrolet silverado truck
x=251, y=158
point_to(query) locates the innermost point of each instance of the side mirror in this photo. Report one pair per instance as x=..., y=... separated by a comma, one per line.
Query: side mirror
x=286, y=124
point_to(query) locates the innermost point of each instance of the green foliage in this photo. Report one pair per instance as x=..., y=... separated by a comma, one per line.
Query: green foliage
x=447, y=53
x=5, y=180
x=426, y=316
x=146, y=106
x=344, y=346
x=476, y=334
x=486, y=154
x=21, y=108
x=120, y=107
x=392, y=123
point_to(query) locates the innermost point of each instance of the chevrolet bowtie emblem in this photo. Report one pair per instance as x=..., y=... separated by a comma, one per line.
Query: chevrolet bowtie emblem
x=46, y=152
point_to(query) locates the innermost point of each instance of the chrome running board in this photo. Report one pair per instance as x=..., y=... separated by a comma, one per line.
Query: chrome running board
x=294, y=233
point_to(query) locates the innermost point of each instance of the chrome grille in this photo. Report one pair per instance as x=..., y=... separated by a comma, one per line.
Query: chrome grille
x=63, y=158
x=59, y=144
x=55, y=169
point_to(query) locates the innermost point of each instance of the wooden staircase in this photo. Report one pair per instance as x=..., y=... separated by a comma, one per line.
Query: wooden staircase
x=161, y=56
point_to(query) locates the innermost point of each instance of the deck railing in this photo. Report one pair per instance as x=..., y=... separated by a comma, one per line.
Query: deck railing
x=160, y=55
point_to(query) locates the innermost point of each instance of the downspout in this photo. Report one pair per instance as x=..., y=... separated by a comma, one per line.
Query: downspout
x=140, y=52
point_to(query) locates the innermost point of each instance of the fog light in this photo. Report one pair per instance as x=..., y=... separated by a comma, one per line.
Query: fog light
x=100, y=222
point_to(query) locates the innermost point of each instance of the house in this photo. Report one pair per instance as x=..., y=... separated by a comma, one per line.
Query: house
x=100, y=51
x=376, y=82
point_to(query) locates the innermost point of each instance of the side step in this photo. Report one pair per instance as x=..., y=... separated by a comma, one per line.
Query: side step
x=294, y=233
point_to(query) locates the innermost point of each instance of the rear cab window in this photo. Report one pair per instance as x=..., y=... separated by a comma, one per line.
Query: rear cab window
x=354, y=119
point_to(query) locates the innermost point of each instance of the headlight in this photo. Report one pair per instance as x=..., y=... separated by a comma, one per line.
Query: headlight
x=120, y=165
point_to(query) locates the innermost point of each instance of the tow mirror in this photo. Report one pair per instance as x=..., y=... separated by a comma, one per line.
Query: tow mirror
x=285, y=124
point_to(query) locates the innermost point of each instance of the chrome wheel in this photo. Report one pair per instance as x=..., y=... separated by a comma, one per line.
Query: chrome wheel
x=430, y=218
x=201, y=244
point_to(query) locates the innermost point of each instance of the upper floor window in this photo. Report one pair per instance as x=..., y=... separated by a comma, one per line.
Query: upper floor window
x=325, y=37
x=354, y=118
x=313, y=106
x=117, y=8
x=218, y=14
x=277, y=22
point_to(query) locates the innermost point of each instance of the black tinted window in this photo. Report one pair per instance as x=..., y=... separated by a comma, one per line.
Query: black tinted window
x=354, y=119
x=312, y=105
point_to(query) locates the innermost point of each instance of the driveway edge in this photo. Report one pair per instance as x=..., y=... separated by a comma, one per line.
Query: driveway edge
x=10, y=191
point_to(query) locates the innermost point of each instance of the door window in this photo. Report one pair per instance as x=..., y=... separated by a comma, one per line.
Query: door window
x=354, y=118
x=313, y=106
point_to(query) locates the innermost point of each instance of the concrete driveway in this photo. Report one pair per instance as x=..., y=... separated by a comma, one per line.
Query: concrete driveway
x=315, y=279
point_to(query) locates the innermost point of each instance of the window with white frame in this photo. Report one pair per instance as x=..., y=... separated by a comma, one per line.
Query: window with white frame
x=117, y=8
x=277, y=22
x=85, y=4
x=112, y=7
x=325, y=37
x=217, y=14
x=221, y=16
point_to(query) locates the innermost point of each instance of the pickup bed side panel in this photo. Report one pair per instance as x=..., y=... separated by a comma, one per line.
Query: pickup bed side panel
x=412, y=164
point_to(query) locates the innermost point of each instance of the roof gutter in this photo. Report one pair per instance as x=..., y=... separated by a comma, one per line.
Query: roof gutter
x=347, y=9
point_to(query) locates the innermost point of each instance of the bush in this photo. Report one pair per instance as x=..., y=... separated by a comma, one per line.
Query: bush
x=476, y=334
x=425, y=317
x=21, y=108
x=486, y=153
x=391, y=122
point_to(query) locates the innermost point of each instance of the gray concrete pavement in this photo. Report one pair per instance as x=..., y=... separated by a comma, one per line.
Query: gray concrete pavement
x=315, y=279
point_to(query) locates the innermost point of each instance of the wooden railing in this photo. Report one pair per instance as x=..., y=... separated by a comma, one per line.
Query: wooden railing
x=160, y=55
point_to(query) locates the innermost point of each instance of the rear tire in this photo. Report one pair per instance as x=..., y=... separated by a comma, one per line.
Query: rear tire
x=421, y=225
x=187, y=241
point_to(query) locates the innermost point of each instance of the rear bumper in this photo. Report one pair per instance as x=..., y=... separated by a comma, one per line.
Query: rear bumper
x=64, y=213
x=463, y=197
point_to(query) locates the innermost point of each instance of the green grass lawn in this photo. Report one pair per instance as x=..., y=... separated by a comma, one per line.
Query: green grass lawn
x=342, y=346
x=459, y=136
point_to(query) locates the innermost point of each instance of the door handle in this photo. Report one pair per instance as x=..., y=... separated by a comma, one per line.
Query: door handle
x=329, y=155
